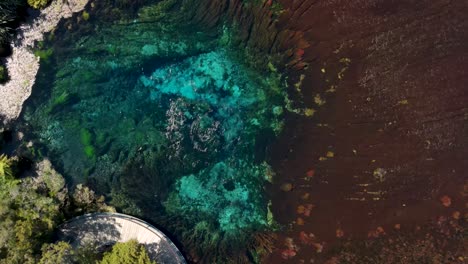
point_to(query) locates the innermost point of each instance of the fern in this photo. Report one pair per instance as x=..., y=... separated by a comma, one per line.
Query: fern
x=5, y=167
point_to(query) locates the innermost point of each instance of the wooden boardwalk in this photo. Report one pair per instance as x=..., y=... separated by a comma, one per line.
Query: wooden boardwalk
x=104, y=229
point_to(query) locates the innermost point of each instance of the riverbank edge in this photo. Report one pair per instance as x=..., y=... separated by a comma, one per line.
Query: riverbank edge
x=23, y=65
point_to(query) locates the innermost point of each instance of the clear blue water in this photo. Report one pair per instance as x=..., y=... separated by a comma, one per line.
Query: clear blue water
x=163, y=118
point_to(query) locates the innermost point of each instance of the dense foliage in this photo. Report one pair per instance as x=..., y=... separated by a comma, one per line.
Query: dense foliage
x=63, y=253
x=5, y=167
x=60, y=252
x=130, y=252
x=29, y=211
x=126, y=253
x=38, y=4
x=31, y=208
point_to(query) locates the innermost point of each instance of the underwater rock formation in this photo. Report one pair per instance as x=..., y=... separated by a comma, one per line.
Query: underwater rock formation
x=225, y=193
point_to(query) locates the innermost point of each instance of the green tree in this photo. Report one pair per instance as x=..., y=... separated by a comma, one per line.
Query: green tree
x=85, y=200
x=27, y=217
x=60, y=252
x=127, y=253
x=87, y=254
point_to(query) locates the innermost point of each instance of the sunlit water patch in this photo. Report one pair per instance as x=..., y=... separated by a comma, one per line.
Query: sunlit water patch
x=166, y=121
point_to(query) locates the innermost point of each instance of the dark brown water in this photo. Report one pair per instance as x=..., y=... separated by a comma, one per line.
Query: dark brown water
x=396, y=126
x=382, y=159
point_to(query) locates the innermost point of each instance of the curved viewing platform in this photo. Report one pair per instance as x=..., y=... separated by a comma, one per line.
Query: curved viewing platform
x=102, y=229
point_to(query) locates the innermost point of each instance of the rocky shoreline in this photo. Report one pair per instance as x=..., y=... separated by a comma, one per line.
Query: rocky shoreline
x=23, y=64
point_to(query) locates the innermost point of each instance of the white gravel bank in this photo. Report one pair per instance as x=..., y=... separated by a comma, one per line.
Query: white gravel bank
x=23, y=65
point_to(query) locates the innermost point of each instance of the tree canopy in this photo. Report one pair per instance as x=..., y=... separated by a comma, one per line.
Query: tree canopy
x=27, y=216
x=127, y=253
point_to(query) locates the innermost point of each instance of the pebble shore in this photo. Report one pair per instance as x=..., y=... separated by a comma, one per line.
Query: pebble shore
x=23, y=64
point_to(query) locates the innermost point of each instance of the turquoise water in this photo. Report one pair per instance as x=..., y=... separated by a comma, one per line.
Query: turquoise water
x=163, y=118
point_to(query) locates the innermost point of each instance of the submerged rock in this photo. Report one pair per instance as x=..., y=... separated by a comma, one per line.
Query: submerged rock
x=286, y=187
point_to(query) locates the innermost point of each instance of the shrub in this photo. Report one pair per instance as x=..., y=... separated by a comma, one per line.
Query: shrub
x=60, y=252
x=3, y=74
x=27, y=219
x=38, y=4
x=128, y=252
x=5, y=167
x=85, y=200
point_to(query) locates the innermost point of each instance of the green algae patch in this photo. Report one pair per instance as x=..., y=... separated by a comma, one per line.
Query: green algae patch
x=44, y=54
x=85, y=137
x=90, y=152
x=85, y=15
x=58, y=101
x=87, y=140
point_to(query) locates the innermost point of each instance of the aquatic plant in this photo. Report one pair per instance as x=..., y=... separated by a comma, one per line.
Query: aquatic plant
x=224, y=192
x=85, y=15
x=129, y=4
x=86, y=140
x=144, y=177
x=226, y=211
x=157, y=11
x=90, y=152
x=85, y=136
x=181, y=123
x=207, y=244
x=58, y=102
x=44, y=54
